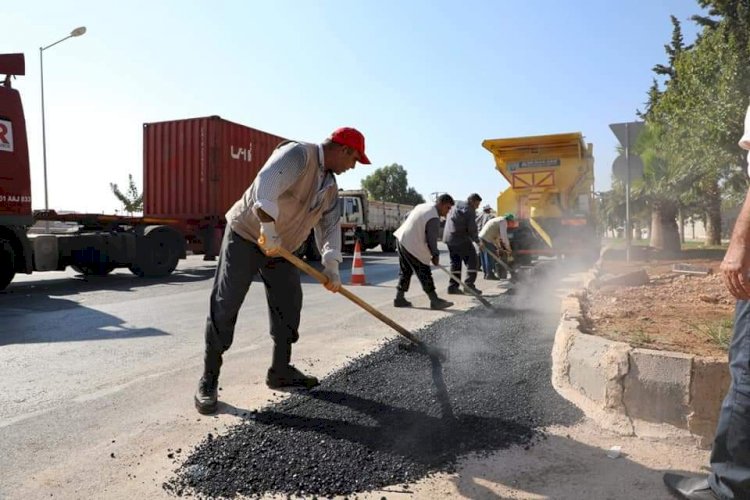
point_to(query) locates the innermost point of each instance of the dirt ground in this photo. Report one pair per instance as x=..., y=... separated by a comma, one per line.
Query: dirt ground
x=690, y=313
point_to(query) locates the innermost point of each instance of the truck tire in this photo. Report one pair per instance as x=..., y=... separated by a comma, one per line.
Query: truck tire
x=158, y=252
x=91, y=269
x=7, y=263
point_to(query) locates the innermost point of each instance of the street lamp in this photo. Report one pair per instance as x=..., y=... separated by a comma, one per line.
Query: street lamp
x=76, y=32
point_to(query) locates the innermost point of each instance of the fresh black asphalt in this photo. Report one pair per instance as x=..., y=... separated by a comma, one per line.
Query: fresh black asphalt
x=395, y=416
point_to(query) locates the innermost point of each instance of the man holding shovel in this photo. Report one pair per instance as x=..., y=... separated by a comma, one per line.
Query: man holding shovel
x=294, y=192
x=460, y=234
x=417, y=249
x=494, y=237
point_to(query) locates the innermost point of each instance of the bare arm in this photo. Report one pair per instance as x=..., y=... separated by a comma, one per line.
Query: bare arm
x=736, y=263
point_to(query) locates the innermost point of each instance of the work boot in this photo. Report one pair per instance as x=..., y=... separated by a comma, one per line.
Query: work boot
x=289, y=377
x=454, y=291
x=437, y=303
x=207, y=397
x=474, y=288
x=400, y=300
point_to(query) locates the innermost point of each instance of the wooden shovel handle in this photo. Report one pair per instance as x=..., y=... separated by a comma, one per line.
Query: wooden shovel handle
x=304, y=266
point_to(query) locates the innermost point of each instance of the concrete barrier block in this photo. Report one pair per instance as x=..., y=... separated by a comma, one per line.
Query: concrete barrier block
x=657, y=386
x=711, y=381
x=588, y=367
x=570, y=307
x=617, y=366
x=564, y=335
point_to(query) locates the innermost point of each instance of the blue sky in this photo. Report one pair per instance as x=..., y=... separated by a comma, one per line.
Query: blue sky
x=425, y=81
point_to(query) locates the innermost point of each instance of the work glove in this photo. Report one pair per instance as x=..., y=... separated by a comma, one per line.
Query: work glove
x=269, y=240
x=436, y=260
x=331, y=271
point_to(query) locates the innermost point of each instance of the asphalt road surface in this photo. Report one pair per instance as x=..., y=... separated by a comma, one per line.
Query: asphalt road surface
x=105, y=368
x=97, y=374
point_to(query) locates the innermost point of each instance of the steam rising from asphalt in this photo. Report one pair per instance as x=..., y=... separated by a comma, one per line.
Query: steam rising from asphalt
x=395, y=416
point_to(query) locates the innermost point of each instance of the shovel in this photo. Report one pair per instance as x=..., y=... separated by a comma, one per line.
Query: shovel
x=466, y=287
x=500, y=261
x=431, y=351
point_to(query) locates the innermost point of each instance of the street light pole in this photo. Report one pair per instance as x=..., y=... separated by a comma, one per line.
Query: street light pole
x=76, y=32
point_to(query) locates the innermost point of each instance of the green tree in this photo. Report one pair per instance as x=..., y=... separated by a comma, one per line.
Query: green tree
x=132, y=200
x=664, y=180
x=391, y=184
x=702, y=116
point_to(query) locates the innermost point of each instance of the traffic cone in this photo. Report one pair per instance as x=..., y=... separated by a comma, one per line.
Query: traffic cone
x=358, y=268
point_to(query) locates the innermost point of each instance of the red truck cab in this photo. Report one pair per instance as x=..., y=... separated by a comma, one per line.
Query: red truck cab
x=15, y=176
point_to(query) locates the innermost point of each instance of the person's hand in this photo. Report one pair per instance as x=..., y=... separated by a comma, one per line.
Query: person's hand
x=331, y=271
x=269, y=240
x=436, y=260
x=734, y=269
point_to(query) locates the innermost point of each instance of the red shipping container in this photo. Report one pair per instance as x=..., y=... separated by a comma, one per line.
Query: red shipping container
x=197, y=168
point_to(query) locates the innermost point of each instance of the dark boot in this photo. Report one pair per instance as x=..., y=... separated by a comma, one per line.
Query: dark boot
x=282, y=374
x=207, y=397
x=400, y=300
x=473, y=287
x=438, y=303
x=289, y=377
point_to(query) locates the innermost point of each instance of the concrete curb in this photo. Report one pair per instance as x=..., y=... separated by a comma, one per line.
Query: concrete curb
x=635, y=391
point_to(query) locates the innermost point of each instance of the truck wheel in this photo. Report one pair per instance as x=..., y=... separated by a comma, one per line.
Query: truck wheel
x=94, y=269
x=7, y=263
x=157, y=253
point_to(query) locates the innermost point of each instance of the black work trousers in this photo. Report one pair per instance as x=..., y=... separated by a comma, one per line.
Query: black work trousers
x=465, y=254
x=239, y=262
x=408, y=265
x=730, y=457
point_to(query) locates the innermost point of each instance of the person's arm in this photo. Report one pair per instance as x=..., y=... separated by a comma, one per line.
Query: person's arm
x=471, y=226
x=432, y=228
x=328, y=233
x=503, y=234
x=279, y=173
x=736, y=263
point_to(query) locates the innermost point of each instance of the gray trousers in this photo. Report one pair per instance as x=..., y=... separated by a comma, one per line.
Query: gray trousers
x=463, y=253
x=239, y=262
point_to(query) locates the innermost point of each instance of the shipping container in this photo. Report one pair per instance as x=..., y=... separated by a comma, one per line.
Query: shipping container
x=198, y=168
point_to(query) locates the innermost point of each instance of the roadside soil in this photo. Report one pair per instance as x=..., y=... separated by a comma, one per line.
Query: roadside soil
x=689, y=313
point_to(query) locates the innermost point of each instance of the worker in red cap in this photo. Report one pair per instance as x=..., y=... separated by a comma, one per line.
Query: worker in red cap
x=294, y=193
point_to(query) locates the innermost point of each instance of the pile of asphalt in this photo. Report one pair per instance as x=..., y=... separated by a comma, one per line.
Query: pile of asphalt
x=395, y=416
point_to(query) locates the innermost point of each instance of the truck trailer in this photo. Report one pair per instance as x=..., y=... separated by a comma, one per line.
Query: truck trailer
x=551, y=194
x=193, y=171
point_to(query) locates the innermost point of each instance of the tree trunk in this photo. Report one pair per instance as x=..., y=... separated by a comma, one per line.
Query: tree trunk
x=681, y=218
x=713, y=216
x=664, y=233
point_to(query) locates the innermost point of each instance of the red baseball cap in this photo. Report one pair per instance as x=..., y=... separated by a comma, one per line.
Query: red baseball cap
x=348, y=136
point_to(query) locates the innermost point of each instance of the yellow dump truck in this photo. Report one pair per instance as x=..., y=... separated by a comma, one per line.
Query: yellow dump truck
x=551, y=194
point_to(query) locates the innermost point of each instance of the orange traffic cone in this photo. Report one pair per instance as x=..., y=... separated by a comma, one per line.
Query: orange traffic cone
x=358, y=268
